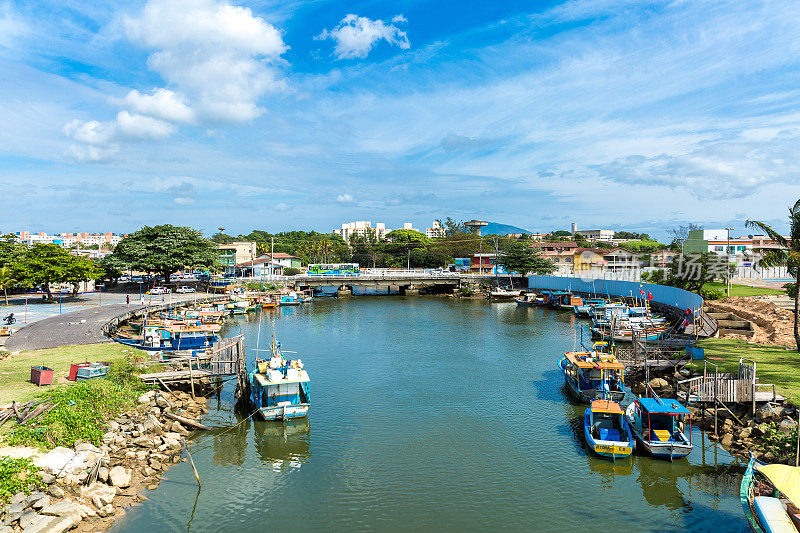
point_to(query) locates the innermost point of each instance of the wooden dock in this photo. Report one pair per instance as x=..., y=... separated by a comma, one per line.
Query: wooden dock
x=742, y=387
x=225, y=359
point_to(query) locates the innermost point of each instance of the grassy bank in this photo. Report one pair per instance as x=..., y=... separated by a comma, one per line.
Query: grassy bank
x=745, y=290
x=15, y=370
x=773, y=364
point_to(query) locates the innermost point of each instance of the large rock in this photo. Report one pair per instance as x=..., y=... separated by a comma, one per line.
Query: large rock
x=147, y=397
x=53, y=524
x=55, y=491
x=766, y=412
x=106, y=510
x=787, y=426
x=28, y=517
x=727, y=440
x=119, y=477
x=144, y=442
x=745, y=433
x=658, y=383
x=100, y=494
x=62, y=508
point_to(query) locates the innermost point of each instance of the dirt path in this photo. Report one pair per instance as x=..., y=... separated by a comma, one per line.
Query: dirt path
x=773, y=325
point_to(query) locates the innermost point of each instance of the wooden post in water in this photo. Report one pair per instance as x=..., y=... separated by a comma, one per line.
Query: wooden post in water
x=191, y=376
x=196, y=475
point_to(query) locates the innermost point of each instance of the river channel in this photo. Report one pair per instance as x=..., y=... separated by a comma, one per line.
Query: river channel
x=428, y=413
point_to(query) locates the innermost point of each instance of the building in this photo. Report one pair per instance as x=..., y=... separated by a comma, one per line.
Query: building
x=601, y=235
x=71, y=240
x=260, y=267
x=361, y=227
x=718, y=242
x=562, y=254
x=662, y=258
x=621, y=260
x=573, y=228
x=236, y=253
x=285, y=260
x=436, y=231
x=587, y=259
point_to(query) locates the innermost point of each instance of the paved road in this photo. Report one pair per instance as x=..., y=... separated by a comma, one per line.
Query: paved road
x=83, y=326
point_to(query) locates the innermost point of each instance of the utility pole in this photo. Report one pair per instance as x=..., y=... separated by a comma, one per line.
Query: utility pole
x=728, y=265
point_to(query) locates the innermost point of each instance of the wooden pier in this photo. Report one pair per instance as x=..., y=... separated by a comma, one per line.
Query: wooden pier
x=742, y=387
x=225, y=359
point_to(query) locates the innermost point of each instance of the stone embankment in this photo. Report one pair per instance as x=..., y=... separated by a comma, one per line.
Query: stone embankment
x=738, y=430
x=772, y=325
x=89, y=486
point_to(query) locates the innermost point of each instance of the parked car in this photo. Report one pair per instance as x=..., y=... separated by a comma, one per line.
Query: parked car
x=160, y=290
x=185, y=290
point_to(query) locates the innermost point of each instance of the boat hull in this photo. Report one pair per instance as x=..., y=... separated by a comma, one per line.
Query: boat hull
x=607, y=448
x=286, y=412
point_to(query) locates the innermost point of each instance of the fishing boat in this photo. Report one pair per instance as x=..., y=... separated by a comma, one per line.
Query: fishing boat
x=174, y=337
x=658, y=424
x=606, y=430
x=588, y=305
x=543, y=298
x=568, y=301
x=267, y=303
x=290, y=299
x=504, y=293
x=770, y=496
x=526, y=298
x=238, y=307
x=555, y=298
x=594, y=374
x=279, y=388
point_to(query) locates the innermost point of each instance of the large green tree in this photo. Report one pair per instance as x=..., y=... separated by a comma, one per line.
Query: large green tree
x=519, y=256
x=165, y=249
x=43, y=264
x=789, y=255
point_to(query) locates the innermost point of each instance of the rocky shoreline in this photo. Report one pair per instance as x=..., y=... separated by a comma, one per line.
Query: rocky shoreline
x=88, y=486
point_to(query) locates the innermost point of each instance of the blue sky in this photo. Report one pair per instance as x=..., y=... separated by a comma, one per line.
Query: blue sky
x=276, y=115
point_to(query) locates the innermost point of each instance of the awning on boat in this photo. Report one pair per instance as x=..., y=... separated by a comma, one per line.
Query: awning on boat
x=663, y=406
x=602, y=364
x=786, y=479
x=606, y=406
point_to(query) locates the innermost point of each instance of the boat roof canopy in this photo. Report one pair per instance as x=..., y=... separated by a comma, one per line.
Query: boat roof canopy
x=657, y=406
x=262, y=379
x=606, y=406
x=785, y=478
x=572, y=357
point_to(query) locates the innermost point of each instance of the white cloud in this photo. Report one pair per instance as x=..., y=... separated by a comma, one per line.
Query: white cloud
x=161, y=103
x=281, y=207
x=142, y=127
x=355, y=36
x=184, y=200
x=399, y=19
x=91, y=153
x=90, y=132
x=12, y=26
x=221, y=56
x=345, y=199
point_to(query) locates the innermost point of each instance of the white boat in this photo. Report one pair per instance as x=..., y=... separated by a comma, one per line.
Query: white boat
x=657, y=425
x=279, y=388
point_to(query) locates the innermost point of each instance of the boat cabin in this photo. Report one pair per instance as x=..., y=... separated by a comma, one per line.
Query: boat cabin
x=280, y=389
x=659, y=425
x=607, y=430
x=593, y=375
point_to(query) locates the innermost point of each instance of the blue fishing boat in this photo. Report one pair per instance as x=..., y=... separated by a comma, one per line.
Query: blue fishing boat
x=606, y=430
x=770, y=497
x=588, y=305
x=291, y=299
x=279, y=388
x=658, y=425
x=593, y=375
x=174, y=337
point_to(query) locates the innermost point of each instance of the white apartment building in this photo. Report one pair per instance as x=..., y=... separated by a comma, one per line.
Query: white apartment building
x=435, y=231
x=603, y=235
x=68, y=240
x=361, y=227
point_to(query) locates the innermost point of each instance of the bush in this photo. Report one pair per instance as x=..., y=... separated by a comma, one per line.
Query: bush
x=81, y=410
x=289, y=271
x=18, y=475
x=782, y=445
x=712, y=294
x=466, y=291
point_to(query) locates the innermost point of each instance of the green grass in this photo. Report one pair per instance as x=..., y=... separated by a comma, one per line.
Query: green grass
x=745, y=290
x=18, y=475
x=15, y=370
x=775, y=365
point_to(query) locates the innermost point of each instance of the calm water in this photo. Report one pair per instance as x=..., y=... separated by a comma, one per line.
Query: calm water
x=429, y=413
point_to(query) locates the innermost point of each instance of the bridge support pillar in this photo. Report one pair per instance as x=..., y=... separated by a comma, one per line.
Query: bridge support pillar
x=410, y=290
x=344, y=291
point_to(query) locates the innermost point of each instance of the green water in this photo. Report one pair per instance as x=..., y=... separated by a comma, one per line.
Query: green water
x=429, y=413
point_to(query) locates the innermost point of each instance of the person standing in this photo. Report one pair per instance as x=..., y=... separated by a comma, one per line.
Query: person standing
x=128, y=299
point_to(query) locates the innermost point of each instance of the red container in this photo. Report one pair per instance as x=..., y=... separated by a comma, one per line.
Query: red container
x=73, y=370
x=41, y=375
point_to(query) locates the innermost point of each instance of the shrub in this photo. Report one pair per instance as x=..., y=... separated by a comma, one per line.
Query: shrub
x=712, y=294
x=466, y=291
x=289, y=271
x=791, y=289
x=18, y=475
x=782, y=445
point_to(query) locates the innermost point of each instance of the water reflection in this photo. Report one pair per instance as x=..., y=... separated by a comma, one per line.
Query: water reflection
x=283, y=445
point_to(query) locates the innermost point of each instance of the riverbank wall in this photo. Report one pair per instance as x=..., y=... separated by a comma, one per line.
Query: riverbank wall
x=670, y=300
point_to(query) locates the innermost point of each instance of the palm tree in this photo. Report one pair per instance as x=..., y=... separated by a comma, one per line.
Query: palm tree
x=789, y=255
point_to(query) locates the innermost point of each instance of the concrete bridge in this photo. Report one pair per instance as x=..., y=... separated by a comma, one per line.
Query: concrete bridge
x=404, y=281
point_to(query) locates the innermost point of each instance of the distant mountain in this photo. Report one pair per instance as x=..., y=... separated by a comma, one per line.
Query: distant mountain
x=495, y=228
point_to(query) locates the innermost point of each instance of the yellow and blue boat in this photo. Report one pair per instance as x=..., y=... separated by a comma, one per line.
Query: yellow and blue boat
x=606, y=430
x=770, y=496
x=593, y=375
x=657, y=425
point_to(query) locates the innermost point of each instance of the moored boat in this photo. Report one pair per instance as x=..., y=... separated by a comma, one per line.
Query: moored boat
x=770, y=497
x=279, y=388
x=504, y=294
x=526, y=298
x=592, y=375
x=606, y=430
x=658, y=424
x=290, y=299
